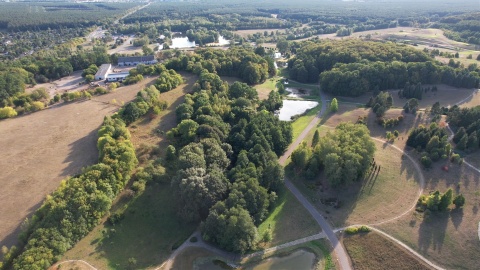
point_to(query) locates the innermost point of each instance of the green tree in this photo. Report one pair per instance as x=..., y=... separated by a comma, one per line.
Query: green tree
x=334, y=105
x=446, y=200
x=459, y=201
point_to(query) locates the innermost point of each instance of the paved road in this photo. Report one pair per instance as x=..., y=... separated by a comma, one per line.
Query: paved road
x=338, y=248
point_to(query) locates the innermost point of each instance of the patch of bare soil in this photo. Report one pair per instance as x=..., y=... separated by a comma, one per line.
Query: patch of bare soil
x=42, y=148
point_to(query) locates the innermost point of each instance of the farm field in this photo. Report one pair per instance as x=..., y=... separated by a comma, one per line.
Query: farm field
x=373, y=251
x=448, y=238
x=45, y=147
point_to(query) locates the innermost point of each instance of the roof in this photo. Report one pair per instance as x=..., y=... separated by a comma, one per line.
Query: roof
x=103, y=70
x=118, y=75
x=136, y=58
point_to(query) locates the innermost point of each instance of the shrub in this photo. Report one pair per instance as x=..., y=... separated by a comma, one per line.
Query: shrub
x=115, y=218
x=7, y=112
x=100, y=91
x=37, y=106
x=426, y=161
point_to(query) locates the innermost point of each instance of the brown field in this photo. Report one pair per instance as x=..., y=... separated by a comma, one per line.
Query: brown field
x=473, y=101
x=450, y=238
x=42, y=148
x=446, y=95
x=373, y=251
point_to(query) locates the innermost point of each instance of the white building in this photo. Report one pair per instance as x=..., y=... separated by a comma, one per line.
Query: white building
x=103, y=72
x=117, y=77
x=135, y=60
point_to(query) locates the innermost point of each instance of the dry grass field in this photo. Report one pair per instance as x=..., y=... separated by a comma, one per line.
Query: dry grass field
x=73, y=265
x=373, y=251
x=42, y=148
x=379, y=197
x=449, y=238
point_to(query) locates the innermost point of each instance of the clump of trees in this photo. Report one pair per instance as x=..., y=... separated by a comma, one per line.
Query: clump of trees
x=147, y=100
x=239, y=62
x=431, y=141
x=345, y=155
x=77, y=206
x=436, y=201
x=467, y=120
x=380, y=103
x=415, y=91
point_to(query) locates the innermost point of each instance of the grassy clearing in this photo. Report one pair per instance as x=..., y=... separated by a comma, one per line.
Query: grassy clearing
x=378, y=197
x=373, y=251
x=265, y=88
x=449, y=238
x=473, y=101
x=148, y=233
x=288, y=221
x=302, y=122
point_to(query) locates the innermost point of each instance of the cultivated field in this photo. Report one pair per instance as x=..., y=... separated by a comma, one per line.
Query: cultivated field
x=44, y=147
x=448, y=238
x=373, y=251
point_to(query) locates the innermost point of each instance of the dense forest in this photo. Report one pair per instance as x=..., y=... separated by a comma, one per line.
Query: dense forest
x=353, y=67
x=225, y=152
x=464, y=28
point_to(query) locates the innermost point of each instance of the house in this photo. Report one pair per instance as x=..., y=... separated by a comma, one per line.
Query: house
x=277, y=55
x=117, y=77
x=103, y=72
x=135, y=60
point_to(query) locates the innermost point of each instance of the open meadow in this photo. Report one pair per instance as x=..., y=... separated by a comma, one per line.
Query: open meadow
x=373, y=251
x=448, y=238
x=44, y=147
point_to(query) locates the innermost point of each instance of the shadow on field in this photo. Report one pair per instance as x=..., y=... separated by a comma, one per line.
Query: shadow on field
x=83, y=152
x=148, y=232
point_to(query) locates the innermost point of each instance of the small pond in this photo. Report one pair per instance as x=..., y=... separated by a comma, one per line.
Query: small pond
x=297, y=92
x=182, y=42
x=295, y=107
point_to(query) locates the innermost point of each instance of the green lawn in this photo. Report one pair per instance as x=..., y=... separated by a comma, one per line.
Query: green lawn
x=288, y=221
x=302, y=122
x=147, y=234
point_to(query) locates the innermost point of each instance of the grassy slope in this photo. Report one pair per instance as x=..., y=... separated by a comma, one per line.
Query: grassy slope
x=288, y=221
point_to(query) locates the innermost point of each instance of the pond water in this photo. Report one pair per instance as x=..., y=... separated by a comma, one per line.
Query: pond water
x=182, y=42
x=296, y=92
x=298, y=260
x=294, y=107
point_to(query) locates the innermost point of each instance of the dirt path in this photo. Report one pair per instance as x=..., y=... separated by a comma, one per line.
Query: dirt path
x=338, y=248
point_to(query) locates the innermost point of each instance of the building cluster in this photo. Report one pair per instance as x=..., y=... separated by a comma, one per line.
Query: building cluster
x=106, y=73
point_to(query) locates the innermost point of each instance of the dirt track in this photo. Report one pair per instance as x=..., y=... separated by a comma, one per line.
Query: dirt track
x=41, y=149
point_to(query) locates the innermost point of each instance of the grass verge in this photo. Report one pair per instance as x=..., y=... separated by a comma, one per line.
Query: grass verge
x=302, y=122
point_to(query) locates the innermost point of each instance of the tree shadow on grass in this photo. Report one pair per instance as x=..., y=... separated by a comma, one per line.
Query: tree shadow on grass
x=83, y=152
x=432, y=232
x=148, y=233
